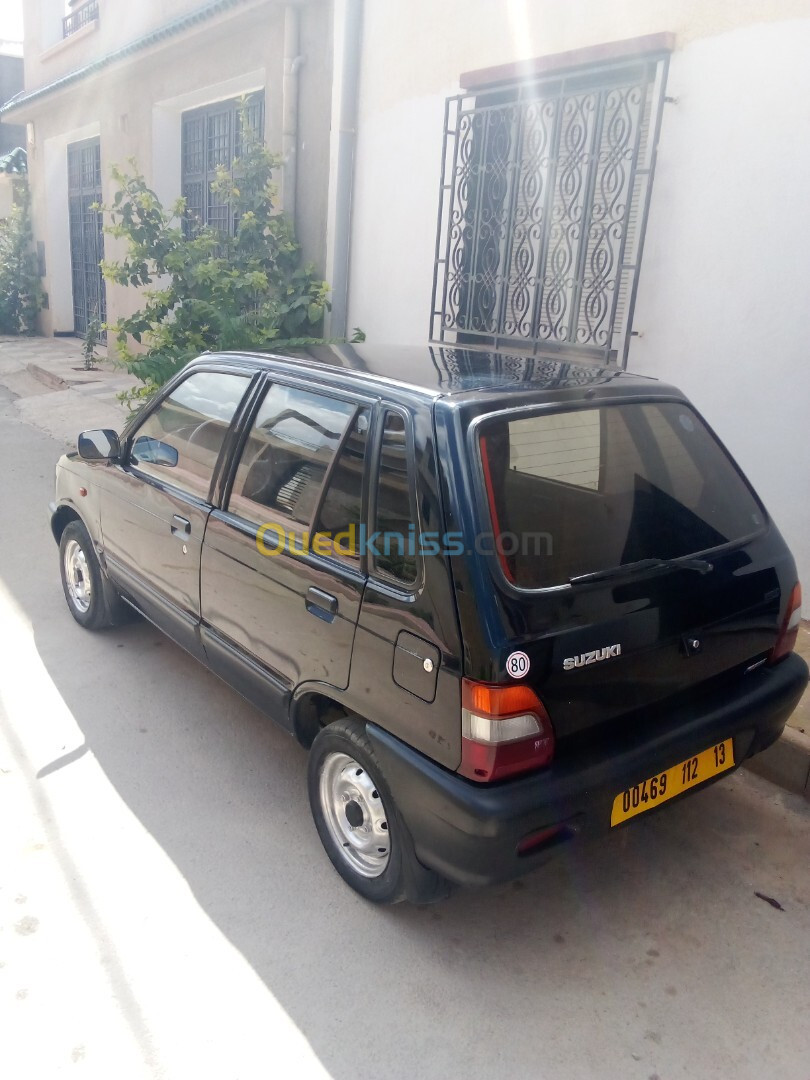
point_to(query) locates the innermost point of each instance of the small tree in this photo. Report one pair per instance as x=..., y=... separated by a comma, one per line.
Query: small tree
x=91, y=339
x=20, y=288
x=208, y=289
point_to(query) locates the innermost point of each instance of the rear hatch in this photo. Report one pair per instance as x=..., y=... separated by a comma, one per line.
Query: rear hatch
x=634, y=564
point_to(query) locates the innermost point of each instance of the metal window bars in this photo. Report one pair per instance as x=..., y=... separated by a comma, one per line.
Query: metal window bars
x=212, y=137
x=86, y=235
x=545, y=192
x=79, y=17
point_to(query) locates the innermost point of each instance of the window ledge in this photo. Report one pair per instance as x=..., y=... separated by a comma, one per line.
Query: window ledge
x=608, y=52
x=78, y=35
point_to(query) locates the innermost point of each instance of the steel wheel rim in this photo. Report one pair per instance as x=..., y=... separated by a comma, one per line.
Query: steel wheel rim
x=77, y=576
x=355, y=815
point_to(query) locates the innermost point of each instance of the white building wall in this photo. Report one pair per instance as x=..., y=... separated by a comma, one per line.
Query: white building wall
x=721, y=302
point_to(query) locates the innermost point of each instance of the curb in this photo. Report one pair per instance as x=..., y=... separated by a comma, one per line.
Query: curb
x=50, y=378
x=786, y=763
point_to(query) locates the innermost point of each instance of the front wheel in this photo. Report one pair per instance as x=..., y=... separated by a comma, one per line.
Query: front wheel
x=358, y=822
x=91, y=599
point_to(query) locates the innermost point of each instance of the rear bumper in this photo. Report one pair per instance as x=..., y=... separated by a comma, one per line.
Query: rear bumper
x=469, y=833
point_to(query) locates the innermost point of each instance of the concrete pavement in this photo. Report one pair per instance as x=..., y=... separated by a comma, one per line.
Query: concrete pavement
x=54, y=392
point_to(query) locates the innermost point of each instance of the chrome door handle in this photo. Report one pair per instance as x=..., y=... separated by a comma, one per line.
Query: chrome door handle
x=181, y=526
x=322, y=604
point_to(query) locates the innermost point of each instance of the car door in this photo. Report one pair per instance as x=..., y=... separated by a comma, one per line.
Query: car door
x=154, y=505
x=282, y=573
x=406, y=660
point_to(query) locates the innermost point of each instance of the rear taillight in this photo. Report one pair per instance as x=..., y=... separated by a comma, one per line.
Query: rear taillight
x=504, y=730
x=789, y=630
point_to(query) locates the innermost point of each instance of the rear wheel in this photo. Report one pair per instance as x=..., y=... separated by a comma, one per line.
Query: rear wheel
x=91, y=599
x=358, y=822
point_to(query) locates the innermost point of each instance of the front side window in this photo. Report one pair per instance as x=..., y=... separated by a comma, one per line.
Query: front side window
x=395, y=532
x=588, y=490
x=544, y=196
x=180, y=441
x=288, y=451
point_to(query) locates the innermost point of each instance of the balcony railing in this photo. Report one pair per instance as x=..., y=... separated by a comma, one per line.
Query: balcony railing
x=81, y=16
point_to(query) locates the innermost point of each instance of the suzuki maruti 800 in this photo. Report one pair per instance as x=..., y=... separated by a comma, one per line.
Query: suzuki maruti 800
x=504, y=602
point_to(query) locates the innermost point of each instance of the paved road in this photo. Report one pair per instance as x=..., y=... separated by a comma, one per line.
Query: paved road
x=166, y=911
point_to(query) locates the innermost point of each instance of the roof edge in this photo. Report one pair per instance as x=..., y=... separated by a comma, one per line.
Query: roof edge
x=152, y=37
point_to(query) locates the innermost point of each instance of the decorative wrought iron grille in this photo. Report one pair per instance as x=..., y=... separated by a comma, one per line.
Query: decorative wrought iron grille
x=86, y=234
x=80, y=16
x=544, y=198
x=212, y=137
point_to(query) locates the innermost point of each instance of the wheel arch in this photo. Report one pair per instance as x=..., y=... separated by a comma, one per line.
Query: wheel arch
x=62, y=517
x=312, y=710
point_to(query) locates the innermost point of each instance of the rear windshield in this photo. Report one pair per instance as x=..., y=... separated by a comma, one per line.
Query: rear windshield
x=587, y=490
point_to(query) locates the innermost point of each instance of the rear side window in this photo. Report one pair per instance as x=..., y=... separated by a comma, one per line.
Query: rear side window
x=289, y=448
x=577, y=492
x=180, y=441
x=341, y=511
x=395, y=504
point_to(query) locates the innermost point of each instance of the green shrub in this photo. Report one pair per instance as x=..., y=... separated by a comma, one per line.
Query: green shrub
x=91, y=339
x=20, y=288
x=205, y=289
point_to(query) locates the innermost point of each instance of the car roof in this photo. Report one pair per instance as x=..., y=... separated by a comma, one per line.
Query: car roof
x=435, y=371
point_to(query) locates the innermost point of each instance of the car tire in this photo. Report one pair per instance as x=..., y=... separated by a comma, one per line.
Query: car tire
x=91, y=599
x=358, y=822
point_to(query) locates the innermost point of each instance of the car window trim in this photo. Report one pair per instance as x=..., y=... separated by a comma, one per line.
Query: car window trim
x=330, y=469
x=269, y=378
x=131, y=433
x=132, y=425
x=363, y=562
x=237, y=435
x=250, y=531
x=473, y=458
x=382, y=577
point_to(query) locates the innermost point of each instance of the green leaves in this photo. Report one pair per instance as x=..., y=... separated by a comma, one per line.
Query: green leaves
x=217, y=290
x=20, y=288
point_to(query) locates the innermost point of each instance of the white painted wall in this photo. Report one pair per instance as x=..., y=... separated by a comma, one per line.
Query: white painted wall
x=722, y=297
x=723, y=292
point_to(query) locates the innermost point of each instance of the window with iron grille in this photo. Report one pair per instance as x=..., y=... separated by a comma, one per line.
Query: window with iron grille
x=80, y=16
x=544, y=197
x=212, y=137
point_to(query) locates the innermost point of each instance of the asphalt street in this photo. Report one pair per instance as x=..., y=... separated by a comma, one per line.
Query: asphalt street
x=166, y=909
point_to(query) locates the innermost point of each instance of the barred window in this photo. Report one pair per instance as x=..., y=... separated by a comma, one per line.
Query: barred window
x=213, y=136
x=544, y=197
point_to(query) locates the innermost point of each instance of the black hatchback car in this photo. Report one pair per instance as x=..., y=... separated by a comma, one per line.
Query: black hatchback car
x=503, y=601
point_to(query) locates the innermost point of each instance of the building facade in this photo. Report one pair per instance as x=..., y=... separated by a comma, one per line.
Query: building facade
x=620, y=182
x=107, y=81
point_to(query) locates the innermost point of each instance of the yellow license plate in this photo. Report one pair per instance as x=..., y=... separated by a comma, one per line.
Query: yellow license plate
x=671, y=782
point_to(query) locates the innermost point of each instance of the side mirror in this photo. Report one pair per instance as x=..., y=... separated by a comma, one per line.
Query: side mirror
x=151, y=451
x=99, y=444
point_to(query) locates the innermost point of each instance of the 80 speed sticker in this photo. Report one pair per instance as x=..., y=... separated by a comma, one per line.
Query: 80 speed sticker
x=517, y=665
